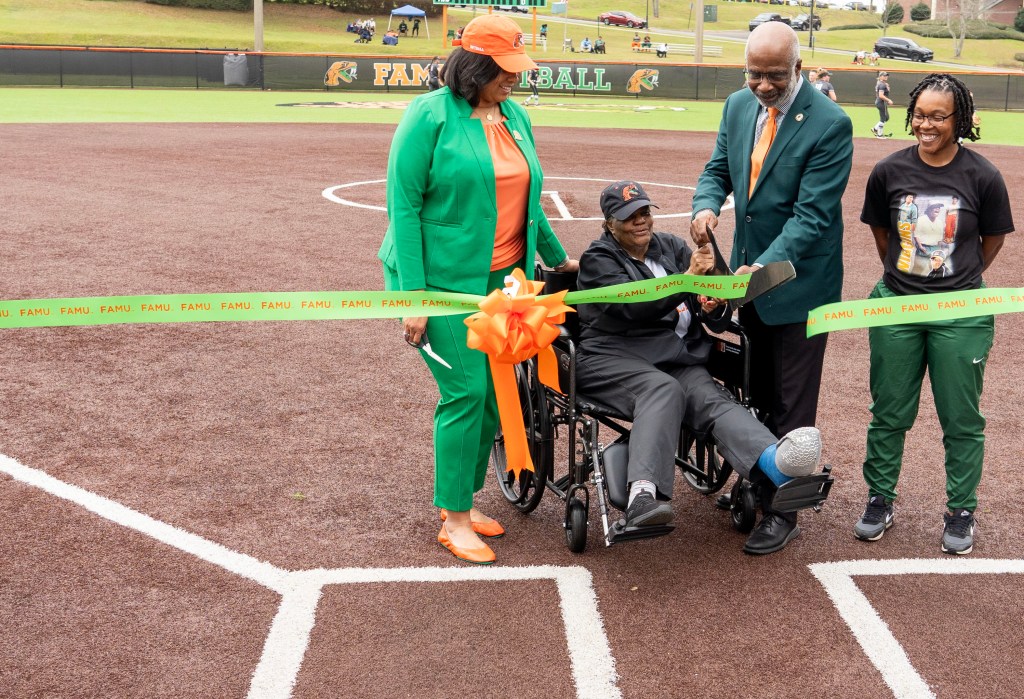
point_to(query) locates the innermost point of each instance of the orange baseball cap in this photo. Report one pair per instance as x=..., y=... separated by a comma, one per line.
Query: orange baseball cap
x=501, y=39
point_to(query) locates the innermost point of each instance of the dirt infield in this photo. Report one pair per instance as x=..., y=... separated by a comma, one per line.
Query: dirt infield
x=167, y=485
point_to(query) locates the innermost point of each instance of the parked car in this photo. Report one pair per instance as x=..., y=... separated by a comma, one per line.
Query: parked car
x=626, y=19
x=897, y=47
x=513, y=8
x=804, y=22
x=858, y=6
x=767, y=17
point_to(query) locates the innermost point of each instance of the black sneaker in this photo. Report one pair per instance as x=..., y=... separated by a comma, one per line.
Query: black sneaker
x=958, y=534
x=876, y=519
x=645, y=511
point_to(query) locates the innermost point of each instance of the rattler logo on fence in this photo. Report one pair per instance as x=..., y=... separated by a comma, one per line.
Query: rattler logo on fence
x=646, y=78
x=340, y=70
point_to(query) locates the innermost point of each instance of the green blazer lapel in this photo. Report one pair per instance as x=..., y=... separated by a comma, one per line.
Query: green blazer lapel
x=481, y=152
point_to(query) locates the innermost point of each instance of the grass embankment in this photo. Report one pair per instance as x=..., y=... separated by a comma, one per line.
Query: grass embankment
x=309, y=29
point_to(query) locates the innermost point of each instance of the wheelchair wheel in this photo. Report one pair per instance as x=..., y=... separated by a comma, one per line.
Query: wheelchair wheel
x=708, y=472
x=743, y=507
x=526, y=491
x=576, y=526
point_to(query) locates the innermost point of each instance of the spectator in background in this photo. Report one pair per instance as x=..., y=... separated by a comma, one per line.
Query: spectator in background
x=662, y=50
x=599, y=45
x=544, y=31
x=873, y=58
x=882, y=102
x=585, y=45
x=532, y=78
x=812, y=76
x=403, y=28
x=433, y=75
x=635, y=43
x=645, y=45
x=416, y=26
x=824, y=84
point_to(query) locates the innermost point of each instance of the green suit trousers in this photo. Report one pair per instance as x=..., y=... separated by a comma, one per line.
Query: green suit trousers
x=466, y=417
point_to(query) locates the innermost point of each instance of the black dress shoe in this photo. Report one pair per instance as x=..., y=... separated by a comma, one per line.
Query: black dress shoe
x=771, y=535
x=724, y=501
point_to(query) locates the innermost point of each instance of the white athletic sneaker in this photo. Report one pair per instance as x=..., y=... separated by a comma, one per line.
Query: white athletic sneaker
x=798, y=452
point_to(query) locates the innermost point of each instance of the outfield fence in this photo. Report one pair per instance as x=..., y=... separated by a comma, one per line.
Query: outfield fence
x=73, y=66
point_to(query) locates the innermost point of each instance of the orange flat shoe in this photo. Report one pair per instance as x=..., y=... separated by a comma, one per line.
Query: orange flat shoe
x=482, y=556
x=491, y=530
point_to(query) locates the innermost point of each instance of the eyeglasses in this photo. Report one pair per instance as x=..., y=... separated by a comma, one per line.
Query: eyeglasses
x=777, y=76
x=936, y=119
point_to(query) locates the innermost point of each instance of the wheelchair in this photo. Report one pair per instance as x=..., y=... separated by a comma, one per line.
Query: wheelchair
x=593, y=465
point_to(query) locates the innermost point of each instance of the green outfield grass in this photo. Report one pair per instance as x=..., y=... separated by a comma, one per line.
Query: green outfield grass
x=314, y=29
x=75, y=105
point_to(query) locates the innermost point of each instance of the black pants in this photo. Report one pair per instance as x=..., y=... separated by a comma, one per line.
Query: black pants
x=785, y=378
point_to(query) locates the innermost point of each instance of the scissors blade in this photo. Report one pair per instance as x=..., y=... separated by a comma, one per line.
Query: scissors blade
x=721, y=266
x=434, y=355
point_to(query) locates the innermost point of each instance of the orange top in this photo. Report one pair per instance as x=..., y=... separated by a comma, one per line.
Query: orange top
x=512, y=189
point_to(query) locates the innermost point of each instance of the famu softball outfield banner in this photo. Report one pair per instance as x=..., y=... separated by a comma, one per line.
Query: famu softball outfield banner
x=922, y=308
x=320, y=305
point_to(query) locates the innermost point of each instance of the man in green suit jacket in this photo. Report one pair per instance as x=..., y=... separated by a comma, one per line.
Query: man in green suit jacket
x=792, y=210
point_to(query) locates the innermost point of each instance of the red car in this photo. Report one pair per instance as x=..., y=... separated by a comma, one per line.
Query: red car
x=627, y=19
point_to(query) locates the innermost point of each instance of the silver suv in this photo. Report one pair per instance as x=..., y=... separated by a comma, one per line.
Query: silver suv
x=896, y=47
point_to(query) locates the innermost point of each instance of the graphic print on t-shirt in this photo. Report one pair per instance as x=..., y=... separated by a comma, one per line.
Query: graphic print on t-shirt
x=927, y=225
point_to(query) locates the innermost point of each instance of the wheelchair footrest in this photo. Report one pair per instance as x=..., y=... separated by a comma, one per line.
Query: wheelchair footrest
x=620, y=532
x=801, y=493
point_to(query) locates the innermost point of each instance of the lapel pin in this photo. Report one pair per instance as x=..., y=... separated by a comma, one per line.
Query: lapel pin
x=799, y=117
x=515, y=135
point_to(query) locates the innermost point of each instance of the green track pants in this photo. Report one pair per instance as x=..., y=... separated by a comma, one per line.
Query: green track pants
x=954, y=353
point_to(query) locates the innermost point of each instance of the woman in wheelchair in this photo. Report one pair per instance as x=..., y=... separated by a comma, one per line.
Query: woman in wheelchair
x=648, y=360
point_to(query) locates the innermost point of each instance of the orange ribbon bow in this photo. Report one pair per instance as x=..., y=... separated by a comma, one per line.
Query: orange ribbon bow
x=513, y=325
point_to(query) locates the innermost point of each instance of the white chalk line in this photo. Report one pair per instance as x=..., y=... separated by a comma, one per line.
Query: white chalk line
x=591, y=660
x=330, y=193
x=871, y=632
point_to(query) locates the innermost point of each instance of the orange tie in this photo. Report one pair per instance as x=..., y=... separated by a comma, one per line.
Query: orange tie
x=761, y=149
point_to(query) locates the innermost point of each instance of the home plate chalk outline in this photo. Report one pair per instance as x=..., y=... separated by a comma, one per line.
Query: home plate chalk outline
x=593, y=666
x=331, y=194
x=871, y=632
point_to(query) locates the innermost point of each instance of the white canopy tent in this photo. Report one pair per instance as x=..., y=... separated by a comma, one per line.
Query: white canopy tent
x=412, y=13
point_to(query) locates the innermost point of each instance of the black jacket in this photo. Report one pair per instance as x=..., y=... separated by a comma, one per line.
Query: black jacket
x=645, y=330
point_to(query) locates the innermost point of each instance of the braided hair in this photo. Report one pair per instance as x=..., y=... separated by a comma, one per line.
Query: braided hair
x=963, y=103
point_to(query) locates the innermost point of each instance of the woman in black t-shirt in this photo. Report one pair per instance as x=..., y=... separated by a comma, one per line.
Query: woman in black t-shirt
x=964, y=214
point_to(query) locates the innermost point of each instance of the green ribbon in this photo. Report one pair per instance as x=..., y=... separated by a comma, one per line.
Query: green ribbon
x=318, y=305
x=918, y=308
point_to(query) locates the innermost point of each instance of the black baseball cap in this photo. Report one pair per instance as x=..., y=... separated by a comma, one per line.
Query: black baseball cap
x=623, y=199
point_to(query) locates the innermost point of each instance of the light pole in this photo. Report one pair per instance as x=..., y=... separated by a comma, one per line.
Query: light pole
x=647, y=15
x=810, y=25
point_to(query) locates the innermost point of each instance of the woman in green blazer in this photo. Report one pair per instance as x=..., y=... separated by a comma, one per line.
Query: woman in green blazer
x=463, y=197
